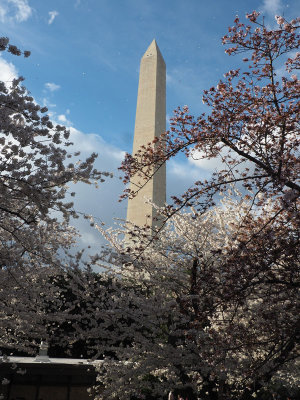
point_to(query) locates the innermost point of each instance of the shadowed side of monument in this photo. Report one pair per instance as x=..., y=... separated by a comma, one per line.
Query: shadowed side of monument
x=150, y=122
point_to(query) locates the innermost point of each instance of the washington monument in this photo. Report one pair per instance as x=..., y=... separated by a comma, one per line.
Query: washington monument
x=150, y=122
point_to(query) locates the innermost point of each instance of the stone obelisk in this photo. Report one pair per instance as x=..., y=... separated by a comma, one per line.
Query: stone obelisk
x=150, y=122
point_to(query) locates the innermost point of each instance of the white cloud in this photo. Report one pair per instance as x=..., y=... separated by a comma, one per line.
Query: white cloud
x=181, y=170
x=208, y=166
x=213, y=164
x=62, y=118
x=8, y=71
x=94, y=143
x=17, y=10
x=181, y=175
x=101, y=203
x=52, y=86
x=52, y=15
x=272, y=7
x=2, y=13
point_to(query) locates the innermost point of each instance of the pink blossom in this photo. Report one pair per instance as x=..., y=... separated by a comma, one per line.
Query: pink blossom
x=280, y=20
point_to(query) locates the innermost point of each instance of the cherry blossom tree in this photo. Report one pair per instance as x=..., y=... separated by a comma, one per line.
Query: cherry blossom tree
x=66, y=308
x=201, y=323
x=34, y=175
x=210, y=301
x=240, y=314
x=36, y=236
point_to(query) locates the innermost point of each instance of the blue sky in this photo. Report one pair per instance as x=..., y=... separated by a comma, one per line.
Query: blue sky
x=85, y=62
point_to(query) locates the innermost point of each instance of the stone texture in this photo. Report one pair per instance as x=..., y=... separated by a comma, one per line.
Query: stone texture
x=150, y=122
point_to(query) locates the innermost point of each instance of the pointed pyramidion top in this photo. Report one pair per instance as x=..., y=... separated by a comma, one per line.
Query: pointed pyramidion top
x=153, y=50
